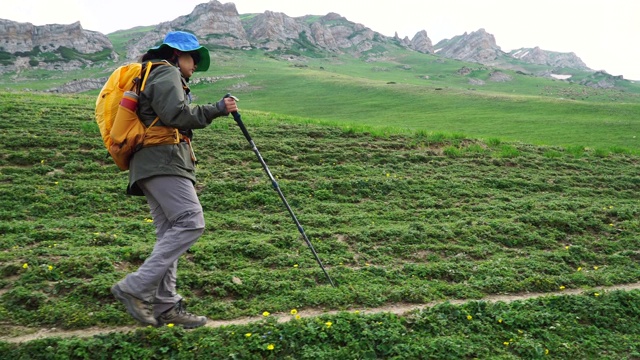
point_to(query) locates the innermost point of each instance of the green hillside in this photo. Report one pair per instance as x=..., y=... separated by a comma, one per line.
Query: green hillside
x=396, y=216
x=402, y=92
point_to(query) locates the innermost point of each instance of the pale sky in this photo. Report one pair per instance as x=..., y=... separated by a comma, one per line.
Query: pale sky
x=603, y=33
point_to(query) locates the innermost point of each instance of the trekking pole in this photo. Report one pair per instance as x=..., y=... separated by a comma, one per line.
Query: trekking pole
x=238, y=119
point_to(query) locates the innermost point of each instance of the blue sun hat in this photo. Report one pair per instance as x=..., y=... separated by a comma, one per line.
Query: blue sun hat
x=187, y=42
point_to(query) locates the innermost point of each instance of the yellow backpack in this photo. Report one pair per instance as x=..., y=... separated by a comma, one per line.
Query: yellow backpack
x=123, y=133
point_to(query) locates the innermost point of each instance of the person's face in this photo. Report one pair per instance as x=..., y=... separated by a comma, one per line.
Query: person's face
x=187, y=63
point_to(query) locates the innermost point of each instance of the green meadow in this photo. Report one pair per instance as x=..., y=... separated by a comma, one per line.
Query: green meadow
x=414, y=187
x=404, y=92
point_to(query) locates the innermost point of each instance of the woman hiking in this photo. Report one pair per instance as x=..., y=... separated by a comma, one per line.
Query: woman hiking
x=165, y=175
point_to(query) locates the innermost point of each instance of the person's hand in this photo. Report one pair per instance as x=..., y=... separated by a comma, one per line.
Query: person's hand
x=230, y=104
x=227, y=105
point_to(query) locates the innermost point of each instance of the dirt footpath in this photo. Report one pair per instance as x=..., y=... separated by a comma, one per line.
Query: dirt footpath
x=28, y=334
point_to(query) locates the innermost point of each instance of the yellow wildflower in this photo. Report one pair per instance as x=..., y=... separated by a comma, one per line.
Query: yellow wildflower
x=50, y=267
x=595, y=268
x=546, y=351
x=170, y=325
x=294, y=311
x=298, y=317
x=271, y=347
x=562, y=287
x=25, y=265
x=500, y=321
x=295, y=265
x=265, y=314
x=469, y=317
x=328, y=324
x=596, y=294
x=248, y=335
x=506, y=343
x=579, y=268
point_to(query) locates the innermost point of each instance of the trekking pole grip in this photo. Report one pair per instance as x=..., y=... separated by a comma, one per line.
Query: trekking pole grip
x=238, y=120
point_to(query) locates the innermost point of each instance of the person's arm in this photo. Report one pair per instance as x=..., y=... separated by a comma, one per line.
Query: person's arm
x=168, y=101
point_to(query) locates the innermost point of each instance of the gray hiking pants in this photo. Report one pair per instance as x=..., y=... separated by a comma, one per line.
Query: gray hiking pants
x=179, y=221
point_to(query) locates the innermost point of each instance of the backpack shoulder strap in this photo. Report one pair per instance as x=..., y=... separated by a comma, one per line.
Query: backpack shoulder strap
x=147, y=69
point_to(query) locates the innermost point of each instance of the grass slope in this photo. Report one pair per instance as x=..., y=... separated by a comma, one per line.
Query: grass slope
x=393, y=93
x=395, y=218
x=400, y=91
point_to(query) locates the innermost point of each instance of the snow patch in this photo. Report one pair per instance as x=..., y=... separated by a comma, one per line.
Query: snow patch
x=560, y=76
x=523, y=55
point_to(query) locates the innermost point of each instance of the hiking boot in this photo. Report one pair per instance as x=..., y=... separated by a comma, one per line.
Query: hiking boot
x=139, y=309
x=178, y=315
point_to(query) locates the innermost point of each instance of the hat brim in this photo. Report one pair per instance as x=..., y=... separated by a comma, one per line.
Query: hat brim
x=205, y=58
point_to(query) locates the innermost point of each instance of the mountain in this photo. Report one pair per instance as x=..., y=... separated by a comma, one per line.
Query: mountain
x=217, y=25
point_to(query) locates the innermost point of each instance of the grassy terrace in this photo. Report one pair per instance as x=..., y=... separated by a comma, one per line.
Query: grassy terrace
x=397, y=217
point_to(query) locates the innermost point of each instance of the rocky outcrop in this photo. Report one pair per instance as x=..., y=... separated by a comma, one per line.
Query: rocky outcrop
x=601, y=80
x=18, y=37
x=332, y=32
x=77, y=86
x=549, y=58
x=479, y=46
x=50, y=47
x=498, y=76
x=421, y=43
x=213, y=23
x=274, y=30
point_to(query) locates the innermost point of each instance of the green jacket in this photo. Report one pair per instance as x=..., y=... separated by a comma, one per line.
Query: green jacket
x=166, y=95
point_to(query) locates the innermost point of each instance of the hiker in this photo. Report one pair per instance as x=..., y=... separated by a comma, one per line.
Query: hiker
x=165, y=175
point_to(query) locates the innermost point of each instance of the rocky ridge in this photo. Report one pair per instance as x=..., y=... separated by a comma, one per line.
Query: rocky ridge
x=549, y=58
x=53, y=47
x=219, y=25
